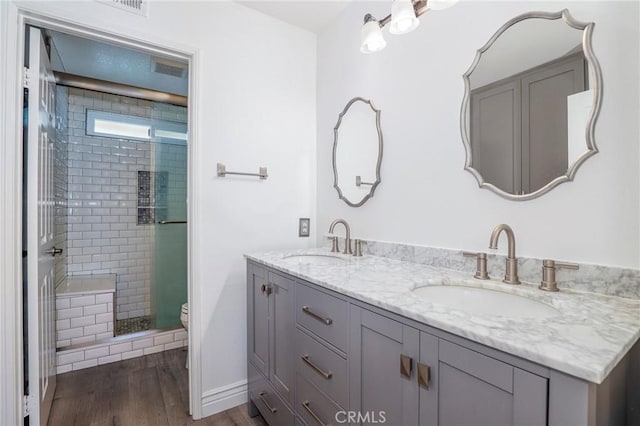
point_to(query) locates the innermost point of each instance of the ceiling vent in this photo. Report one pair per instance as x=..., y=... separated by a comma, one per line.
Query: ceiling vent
x=168, y=67
x=138, y=7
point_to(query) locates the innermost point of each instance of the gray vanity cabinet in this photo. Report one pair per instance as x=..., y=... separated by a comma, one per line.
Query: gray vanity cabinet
x=414, y=378
x=316, y=356
x=270, y=326
x=382, y=364
x=428, y=379
x=282, y=331
x=483, y=391
x=258, y=318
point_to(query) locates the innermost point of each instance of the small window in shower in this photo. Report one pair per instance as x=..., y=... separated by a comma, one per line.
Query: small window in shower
x=152, y=197
x=124, y=126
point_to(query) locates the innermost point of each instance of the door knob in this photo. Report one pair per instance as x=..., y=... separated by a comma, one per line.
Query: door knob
x=54, y=251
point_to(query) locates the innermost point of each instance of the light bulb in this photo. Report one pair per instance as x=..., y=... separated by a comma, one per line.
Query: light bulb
x=372, y=38
x=404, y=24
x=403, y=17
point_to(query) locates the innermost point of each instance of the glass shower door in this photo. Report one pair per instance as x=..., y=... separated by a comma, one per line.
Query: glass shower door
x=169, y=262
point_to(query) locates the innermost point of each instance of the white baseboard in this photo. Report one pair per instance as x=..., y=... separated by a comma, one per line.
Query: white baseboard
x=216, y=400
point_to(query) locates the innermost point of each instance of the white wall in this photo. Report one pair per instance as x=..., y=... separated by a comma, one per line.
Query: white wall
x=425, y=196
x=256, y=107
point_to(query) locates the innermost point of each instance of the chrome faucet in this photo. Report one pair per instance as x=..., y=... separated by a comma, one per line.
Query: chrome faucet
x=347, y=238
x=511, y=272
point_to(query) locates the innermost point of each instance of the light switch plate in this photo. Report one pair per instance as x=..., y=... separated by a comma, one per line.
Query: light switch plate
x=304, y=227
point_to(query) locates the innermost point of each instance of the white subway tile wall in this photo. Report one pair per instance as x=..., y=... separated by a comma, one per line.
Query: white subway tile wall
x=103, y=353
x=83, y=318
x=103, y=235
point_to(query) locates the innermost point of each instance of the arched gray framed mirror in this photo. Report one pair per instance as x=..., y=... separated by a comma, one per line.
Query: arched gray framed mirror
x=532, y=96
x=357, y=152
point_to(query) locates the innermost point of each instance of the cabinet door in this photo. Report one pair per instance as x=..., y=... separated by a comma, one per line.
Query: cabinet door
x=545, y=147
x=258, y=318
x=428, y=379
x=482, y=391
x=282, y=365
x=495, y=134
x=381, y=388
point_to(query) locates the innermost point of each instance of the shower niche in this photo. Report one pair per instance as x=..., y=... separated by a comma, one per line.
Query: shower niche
x=152, y=197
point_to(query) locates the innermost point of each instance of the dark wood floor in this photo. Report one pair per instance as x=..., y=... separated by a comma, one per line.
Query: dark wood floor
x=152, y=390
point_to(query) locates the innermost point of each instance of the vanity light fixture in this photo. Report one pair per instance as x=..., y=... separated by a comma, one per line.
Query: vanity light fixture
x=403, y=19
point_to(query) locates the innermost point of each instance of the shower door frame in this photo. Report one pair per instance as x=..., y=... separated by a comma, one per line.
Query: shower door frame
x=13, y=21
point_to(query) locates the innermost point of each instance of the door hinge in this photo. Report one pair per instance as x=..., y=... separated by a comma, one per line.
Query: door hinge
x=26, y=77
x=27, y=401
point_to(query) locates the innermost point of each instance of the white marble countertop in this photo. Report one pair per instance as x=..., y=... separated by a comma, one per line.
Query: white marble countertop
x=589, y=337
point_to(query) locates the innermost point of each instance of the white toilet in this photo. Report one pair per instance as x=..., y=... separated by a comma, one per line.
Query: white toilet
x=184, y=318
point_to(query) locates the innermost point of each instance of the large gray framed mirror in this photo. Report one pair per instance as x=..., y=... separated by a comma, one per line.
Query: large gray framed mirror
x=532, y=96
x=357, y=152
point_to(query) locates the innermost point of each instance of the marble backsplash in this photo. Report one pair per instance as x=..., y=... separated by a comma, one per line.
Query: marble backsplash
x=606, y=280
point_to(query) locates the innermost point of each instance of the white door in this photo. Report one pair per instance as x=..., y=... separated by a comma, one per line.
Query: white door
x=40, y=233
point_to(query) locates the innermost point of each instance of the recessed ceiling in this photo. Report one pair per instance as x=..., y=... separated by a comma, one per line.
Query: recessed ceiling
x=310, y=15
x=103, y=61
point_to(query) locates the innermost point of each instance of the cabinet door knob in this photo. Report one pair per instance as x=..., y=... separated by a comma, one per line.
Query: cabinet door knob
x=424, y=375
x=406, y=365
x=265, y=289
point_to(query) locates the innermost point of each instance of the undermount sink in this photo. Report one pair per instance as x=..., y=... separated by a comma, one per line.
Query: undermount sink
x=485, y=302
x=316, y=259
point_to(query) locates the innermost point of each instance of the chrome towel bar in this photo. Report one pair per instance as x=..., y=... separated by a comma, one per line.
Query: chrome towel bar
x=222, y=172
x=171, y=222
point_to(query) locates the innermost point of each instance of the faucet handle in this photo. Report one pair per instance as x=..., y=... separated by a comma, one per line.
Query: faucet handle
x=358, y=249
x=549, y=273
x=334, y=244
x=481, y=264
x=561, y=265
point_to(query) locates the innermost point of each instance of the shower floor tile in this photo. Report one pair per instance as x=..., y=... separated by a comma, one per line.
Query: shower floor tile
x=133, y=325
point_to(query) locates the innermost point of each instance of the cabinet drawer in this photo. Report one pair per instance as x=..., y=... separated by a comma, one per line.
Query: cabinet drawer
x=322, y=367
x=315, y=408
x=323, y=314
x=271, y=406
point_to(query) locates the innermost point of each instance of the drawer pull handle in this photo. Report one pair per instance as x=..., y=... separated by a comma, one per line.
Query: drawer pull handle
x=265, y=289
x=406, y=365
x=305, y=404
x=424, y=375
x=317, y=369
x=261, y=395
x=308, y=311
